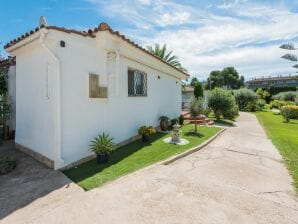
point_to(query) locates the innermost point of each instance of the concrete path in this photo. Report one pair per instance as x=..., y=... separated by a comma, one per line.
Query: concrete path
x=238, y=178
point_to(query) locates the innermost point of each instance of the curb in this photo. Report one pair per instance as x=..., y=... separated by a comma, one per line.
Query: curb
x=192, y=150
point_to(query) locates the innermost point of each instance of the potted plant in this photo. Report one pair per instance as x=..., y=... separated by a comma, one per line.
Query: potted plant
x=102, y=146
x=146, y=132
x=164, y=123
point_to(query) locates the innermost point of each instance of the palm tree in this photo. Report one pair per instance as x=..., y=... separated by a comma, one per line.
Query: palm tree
x=162, y=53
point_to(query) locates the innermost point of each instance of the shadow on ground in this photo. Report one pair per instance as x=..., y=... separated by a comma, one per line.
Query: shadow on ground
x=29, y=181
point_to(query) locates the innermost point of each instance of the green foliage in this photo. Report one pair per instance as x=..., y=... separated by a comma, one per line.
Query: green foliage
x=244, y=97
x=196, y=108
x=181, y=119
x=102, y=144
x=135, y=156
x=228, y=77
x=146, y=131
x=273, y=90
x=279, y=103
x=289, y=112
x=7, y=164
x=222, y=102
x=194, y=81
x=260, y=104
x=286, y=96
x=198, y=90
x=162, y=53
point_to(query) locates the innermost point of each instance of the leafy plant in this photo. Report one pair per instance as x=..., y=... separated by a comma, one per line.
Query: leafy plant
x=146, y=132
x=280, y=103
x=168, y=57
x=286, y=96
x=196, y=108
x=181, y=120
x=222, y=102
x=102, y=144
x=244, y=97
x=198, y=90
x=7, y=164
x=289, y=112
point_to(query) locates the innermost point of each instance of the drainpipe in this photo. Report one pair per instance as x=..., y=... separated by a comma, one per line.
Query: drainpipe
x=43, y=33
x=117, y=71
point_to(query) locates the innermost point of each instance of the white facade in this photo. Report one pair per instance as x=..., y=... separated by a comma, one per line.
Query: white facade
x=54, y=114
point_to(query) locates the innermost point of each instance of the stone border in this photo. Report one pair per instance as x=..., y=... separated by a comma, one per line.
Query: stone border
x=192, y=150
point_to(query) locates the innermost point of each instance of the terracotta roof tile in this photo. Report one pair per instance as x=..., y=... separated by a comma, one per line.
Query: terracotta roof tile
x=90, y=33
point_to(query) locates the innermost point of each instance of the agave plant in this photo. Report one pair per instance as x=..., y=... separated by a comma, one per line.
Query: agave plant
x=102, y=144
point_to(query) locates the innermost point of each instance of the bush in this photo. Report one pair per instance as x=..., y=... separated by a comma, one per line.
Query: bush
x=231, y=114
x=279, y=103
x=277, y=89
x=251, y=107
x=222, y=102
x=181, y=119
x=286, y=96
x=7, y=164
x=289, y=112
x=146, y=132
x=174, y=121
x=260, y=104
x=244, y=96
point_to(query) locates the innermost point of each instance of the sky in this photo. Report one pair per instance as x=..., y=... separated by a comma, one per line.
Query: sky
x=205, y=35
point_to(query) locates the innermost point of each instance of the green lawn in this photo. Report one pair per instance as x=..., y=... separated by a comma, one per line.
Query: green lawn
x=285, y=137
x=135, y=156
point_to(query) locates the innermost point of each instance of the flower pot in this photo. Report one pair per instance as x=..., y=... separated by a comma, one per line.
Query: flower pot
x=145, y=138
x=102, y=158
x=164, y=125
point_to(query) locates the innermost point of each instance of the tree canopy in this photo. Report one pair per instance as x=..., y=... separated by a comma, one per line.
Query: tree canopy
x=227, y=78
x=167, y=56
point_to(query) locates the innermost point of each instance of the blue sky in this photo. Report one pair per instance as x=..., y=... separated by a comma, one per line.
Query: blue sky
x=205, y=35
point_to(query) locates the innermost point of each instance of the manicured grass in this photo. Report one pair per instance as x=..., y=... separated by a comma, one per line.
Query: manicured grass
x=135, y=156
x=285, y=137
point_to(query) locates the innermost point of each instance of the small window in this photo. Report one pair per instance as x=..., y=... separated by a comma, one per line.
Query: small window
x=137, y=83
x=96, y=91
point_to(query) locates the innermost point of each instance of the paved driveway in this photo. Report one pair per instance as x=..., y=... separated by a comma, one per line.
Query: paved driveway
x=238, y=178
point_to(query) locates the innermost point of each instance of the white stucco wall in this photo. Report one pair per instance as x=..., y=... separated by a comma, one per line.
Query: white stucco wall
x=83, y=118
x=34, y=111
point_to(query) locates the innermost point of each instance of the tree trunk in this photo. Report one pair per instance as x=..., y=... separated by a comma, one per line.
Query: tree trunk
x=196, y=125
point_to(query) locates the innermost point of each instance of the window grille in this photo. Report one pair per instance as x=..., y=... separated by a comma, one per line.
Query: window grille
x=137, y=83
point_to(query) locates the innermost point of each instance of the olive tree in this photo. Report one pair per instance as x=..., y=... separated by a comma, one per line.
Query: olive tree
x=196, y=108
x=222, y=102
x=244, y=96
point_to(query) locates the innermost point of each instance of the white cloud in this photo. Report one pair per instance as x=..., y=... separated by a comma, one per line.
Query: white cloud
x=246, y=36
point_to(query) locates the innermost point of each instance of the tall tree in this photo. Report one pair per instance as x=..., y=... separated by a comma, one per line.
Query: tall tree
x=194, y=81
x=228, y=78
x=198, y=90
x=167, y=56
x=290, y=57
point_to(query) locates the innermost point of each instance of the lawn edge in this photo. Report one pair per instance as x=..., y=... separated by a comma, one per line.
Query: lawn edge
x=192, y=150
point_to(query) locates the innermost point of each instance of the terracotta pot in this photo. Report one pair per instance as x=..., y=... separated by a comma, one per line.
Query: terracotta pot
x=164, y=125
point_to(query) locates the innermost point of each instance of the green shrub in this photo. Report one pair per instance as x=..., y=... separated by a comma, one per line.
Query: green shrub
x=251, y=107
x=222, y=102
x=279, y=103
x=244, y=96
x=146, y=132
x=289, y=112
x=102, y=144
x=7, y=164
x=181, y=119
x=231, y=114
x=260, y=104
x=286, y=96
x=277, y=89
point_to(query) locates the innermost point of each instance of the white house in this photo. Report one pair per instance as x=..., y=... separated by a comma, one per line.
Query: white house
x=72, y=86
